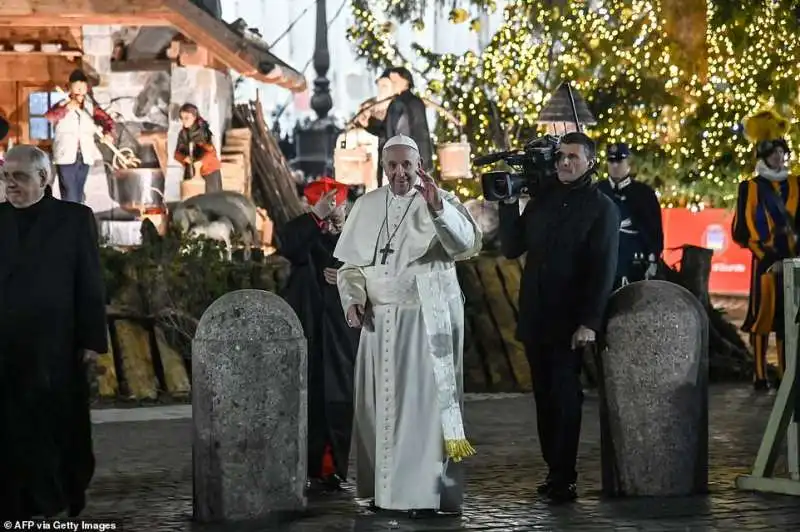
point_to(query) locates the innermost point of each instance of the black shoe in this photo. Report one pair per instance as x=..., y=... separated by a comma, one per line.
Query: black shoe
x=760, y=385
x=331, y=484
x=562, y=495
x=545, y=487
x=776, y=384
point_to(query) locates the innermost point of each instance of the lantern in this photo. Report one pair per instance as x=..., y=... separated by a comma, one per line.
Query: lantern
x=559, y=115
x=454, y=159
x=354, y=164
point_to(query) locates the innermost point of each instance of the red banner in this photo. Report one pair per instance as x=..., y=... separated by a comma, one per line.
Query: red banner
x=710, y=228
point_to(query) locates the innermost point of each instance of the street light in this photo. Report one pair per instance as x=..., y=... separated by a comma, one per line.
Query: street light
x=316, y=140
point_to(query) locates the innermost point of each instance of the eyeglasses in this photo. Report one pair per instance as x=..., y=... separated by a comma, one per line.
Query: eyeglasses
x=15, y=177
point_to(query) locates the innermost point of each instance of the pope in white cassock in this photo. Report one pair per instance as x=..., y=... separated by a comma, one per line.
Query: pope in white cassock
x=399, y=246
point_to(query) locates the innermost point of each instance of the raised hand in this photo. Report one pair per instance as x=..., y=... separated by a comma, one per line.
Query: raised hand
x=428, y=189
x=325, y=206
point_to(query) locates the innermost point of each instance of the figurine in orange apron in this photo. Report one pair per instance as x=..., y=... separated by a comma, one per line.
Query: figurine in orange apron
x=195, y=150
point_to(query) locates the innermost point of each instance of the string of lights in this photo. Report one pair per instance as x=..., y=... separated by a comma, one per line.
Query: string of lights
x=685, y=126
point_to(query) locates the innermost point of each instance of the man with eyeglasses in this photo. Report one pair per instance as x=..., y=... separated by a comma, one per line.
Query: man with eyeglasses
x=641, y=236
x=52, y=323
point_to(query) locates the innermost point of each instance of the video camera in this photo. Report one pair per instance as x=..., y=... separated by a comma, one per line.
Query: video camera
x=537, y=161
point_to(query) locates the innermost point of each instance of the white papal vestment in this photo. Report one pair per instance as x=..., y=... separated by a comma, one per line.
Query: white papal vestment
x=414, y=347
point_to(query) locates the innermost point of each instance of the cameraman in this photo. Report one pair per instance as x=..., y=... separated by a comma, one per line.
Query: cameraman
x=570, y=231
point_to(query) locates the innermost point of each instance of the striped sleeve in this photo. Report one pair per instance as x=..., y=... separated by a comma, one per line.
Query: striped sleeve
x=749, y=229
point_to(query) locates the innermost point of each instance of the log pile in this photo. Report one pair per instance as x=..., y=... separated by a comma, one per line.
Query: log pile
x=273, y=186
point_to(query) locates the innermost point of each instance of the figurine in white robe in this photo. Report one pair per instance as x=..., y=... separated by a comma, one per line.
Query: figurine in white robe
x=399, y=246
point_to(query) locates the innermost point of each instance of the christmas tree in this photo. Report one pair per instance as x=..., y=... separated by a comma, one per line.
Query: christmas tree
x=679, y=101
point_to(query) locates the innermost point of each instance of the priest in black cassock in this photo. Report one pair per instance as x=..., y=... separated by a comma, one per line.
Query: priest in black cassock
x=641, y=235
x=308, y=243
x=52, y=321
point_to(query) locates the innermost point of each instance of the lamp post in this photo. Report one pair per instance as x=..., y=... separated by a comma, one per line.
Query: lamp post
x=560, y=116
x=316, y=140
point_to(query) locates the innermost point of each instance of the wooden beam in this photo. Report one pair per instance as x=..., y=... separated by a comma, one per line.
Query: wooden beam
x=35, y=21
x=82, y=12
x=223, y=42
x=141, y=65
x=34, y=68
x=185, y=16
x=80, y=7
x=783, y=486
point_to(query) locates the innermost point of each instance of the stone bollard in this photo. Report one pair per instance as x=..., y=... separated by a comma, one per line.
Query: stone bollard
x=249, y=409
x=654, y=404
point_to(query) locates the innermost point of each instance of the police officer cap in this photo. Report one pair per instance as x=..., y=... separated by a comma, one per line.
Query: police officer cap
x=618, y=151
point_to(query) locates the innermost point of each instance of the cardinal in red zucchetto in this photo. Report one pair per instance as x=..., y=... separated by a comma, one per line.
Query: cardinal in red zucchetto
x=308, y=242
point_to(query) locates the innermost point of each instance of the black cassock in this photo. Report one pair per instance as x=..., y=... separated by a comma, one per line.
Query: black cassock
x=52, y=307
x=332, y=345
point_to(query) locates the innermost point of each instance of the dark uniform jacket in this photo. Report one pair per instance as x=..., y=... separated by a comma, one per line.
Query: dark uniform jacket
x=642, y=229
x=570, y=234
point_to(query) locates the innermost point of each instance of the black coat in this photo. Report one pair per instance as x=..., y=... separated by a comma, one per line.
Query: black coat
x=332, y=344
x=645, y=211
x=570, y=234
x=405, y=115
x=52, y=307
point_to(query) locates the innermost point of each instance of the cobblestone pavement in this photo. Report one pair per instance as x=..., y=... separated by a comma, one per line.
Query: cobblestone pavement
x=144, y=479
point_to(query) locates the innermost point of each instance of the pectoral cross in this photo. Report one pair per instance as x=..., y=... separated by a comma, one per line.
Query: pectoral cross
x=385, y=252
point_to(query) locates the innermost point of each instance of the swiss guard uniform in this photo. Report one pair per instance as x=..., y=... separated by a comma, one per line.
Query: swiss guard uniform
x=641, y=236
x=765, y=222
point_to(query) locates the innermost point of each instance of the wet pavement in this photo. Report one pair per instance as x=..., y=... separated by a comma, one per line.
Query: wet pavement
x=144, y=478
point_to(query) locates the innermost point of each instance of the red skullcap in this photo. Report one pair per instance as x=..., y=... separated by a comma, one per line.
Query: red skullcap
x=314, y=191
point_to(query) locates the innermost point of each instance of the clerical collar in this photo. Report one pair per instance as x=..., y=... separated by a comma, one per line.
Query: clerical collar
x=33, y=206
x=621, y=184
x=407, y=195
